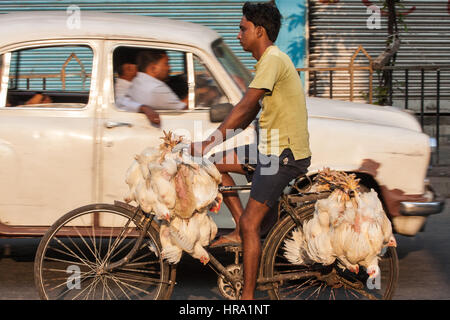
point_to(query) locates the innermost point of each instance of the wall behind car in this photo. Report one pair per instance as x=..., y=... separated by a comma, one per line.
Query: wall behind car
x=338, y=27
x=221, y=15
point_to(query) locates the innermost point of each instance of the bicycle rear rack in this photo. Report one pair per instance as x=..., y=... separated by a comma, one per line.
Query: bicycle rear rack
x=235, y=188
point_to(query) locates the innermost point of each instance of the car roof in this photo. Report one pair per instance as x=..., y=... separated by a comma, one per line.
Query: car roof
x=40, y=25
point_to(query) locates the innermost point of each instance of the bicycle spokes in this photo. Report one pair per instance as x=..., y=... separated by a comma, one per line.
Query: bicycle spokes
x=76, y=259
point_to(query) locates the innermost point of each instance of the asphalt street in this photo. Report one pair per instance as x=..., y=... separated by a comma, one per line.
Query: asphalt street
x=424, y=267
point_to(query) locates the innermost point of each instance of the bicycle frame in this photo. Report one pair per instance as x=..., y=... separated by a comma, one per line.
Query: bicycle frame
x=216, y=265
x=267, y=283
x=275, y=273
x=137, y=245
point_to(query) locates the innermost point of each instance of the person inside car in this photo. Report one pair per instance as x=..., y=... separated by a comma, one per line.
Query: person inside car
x=37, y=98
x=149, y=86
x=126, y=71
x=148, y=91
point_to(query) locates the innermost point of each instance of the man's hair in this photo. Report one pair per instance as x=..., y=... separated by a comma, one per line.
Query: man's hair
x=120, y=69
x=144, y=58
x=124, y=55
x=264, y=15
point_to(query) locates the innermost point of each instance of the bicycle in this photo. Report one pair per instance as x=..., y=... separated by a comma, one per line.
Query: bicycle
x=105, y=251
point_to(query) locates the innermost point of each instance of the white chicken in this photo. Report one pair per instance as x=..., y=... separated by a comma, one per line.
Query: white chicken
x=295, y=248
x=206, y=229
x=349, y=226
x=203, y=193
x=162, y=184
x=186, y=204
x=317, y=238
x=190, y=235
x=168, y=183
x=170, y=251
x=133, y=178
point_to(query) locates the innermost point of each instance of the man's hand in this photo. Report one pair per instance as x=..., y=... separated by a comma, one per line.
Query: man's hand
x=39, y=98
x=198, y=149
x=151, y=114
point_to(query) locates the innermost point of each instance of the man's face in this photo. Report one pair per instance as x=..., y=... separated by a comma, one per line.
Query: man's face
x=247, y=35
x=161, y=69
x=129, y=70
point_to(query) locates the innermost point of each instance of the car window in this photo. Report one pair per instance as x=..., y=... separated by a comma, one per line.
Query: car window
x=126, y=72
x=238, y=72
x=50, y=77
x=133, y=87
x=1, y=82
x=207, y=91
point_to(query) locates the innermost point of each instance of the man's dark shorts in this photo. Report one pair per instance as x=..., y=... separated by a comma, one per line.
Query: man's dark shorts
x=270, y=175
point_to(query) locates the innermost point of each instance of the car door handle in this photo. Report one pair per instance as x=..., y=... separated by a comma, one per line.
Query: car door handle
x=114, y=124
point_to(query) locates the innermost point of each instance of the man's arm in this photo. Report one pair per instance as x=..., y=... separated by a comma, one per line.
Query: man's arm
x=239, y=118
x=162, y=97
x=151, y=114
x=127, y=104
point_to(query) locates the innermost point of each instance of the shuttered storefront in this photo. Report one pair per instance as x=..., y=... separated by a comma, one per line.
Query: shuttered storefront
x=223, y=16
x=337, y=28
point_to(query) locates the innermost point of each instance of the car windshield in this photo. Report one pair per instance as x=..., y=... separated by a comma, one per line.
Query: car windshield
x=238, y=72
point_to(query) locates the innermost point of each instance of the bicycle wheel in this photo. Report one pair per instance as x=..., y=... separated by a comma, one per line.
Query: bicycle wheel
x=318, y=281
x=71, y=257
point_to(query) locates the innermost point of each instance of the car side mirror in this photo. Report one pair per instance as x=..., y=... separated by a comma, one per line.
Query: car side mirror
x=218, y=112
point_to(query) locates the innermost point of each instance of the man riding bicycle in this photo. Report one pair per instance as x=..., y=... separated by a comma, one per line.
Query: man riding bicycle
x=283, y=144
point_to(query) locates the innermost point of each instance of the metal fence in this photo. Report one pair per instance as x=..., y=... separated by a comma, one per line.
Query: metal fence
x=408, y=87
x=416, y=76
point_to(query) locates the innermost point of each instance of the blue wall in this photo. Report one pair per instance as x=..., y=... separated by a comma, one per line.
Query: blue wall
x=292, y=37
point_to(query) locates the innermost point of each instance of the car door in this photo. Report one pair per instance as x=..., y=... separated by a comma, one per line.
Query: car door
x=125, y=134
x=47, y=145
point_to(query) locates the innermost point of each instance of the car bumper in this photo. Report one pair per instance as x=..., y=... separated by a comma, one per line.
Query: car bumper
x=433, y=206
x=414, y=214
x=421, y=208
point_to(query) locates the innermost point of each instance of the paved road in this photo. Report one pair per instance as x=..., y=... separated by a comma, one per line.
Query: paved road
x=424, y=267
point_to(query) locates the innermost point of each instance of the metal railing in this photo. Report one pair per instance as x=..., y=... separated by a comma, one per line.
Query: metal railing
x=351, y=69
x=403, y=94
x=398, y=93
x=63, y=75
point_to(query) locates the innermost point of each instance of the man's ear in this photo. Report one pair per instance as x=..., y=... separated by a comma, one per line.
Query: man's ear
x=150, y=69
x=260, y=31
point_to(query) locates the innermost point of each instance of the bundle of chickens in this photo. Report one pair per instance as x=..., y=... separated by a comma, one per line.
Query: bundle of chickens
x=349, y=227
x=179, y=190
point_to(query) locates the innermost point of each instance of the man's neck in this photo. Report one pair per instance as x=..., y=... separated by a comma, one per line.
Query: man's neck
x=259, y=51
x=153, y=76
x=127, y=78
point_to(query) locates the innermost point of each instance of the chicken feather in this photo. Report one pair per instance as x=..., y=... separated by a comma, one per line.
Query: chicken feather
x=168, y=183
x=349, y=226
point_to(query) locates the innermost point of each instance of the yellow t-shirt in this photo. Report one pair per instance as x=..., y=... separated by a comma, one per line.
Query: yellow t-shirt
x=284, y=120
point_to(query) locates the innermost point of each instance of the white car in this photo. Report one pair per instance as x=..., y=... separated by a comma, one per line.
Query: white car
x=74, y=149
